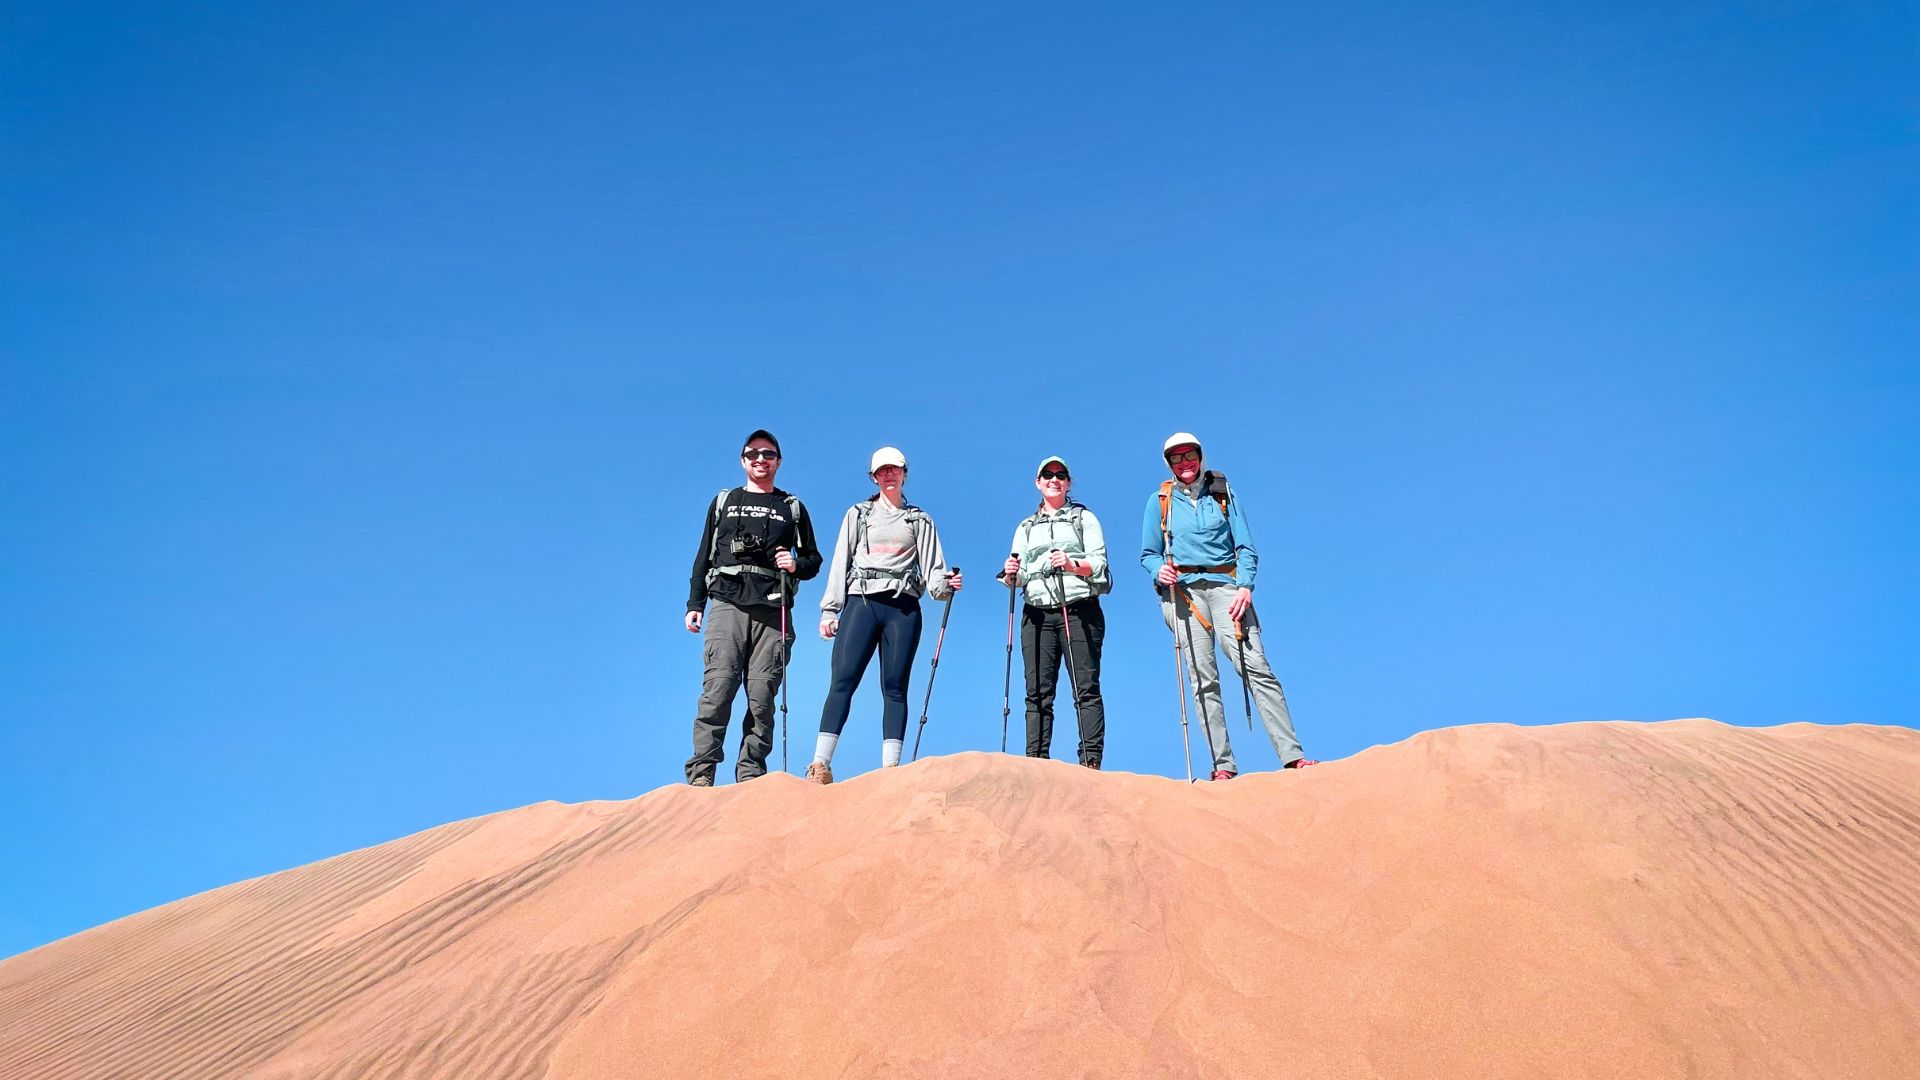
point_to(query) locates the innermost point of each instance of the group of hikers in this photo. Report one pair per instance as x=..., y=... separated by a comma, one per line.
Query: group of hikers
x=759, y=541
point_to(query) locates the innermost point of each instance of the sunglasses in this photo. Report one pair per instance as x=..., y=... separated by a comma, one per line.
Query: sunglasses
x=1054, y=474
x=760, y=455
x=1180, y=456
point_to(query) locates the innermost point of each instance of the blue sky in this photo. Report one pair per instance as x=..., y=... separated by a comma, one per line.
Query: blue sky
x=366, y=368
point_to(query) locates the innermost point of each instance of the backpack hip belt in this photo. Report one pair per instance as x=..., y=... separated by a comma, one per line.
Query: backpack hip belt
x=1227, y=569
x=868, y=573
x=742, y=569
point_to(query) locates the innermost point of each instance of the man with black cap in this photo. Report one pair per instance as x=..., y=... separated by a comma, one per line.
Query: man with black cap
x=758, y=540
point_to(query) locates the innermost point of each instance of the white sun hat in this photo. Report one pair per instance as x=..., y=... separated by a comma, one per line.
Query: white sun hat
x=1181, y=438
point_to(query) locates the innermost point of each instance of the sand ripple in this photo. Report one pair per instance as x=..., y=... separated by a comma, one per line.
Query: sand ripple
x=1679, y=899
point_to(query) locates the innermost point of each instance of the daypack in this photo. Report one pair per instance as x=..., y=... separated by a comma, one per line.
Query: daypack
x=1219, y=494
x=916, y=517
x=713, y=551
x=1074, y=510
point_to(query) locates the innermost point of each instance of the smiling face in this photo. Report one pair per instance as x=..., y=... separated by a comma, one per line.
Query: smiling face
x=1184, y=460
x=889, y=478
x=761, y=461
x=1053, y=481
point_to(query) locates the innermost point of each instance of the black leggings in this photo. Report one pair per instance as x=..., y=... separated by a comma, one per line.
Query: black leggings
x=893, y=625
x=1041, y=645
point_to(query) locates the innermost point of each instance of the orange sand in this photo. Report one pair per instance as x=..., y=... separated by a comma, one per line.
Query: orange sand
x=1617, y=900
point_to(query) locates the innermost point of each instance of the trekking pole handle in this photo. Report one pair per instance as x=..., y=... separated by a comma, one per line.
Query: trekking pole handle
x=943, y=624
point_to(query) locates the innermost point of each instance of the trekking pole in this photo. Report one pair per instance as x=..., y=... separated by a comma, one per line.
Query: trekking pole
x=932, y=673
x=1073, y=692
x=1246, y=693
x=1180, y=672
x=1180, y=666
x=786, y=655
x=1199, y=699
x=1006, y=683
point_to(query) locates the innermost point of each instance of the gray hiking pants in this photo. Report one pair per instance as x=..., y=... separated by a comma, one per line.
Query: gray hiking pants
x=1212, y=598
x=740, y=642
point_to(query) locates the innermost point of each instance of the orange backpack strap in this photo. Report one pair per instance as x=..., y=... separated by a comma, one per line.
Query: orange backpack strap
x=1166, y=497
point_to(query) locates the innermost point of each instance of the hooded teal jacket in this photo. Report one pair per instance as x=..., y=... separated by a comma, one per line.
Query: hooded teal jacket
x=1202, y=535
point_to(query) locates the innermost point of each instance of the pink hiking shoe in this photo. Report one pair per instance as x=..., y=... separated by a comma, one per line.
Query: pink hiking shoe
x=1299, y=763
x=1224, y=774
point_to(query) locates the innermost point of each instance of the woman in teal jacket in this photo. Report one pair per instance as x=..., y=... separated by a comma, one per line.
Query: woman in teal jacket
x=1060, y=559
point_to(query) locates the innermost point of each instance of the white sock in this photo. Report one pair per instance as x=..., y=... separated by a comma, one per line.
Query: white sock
x=823, y=748
x=890, y=753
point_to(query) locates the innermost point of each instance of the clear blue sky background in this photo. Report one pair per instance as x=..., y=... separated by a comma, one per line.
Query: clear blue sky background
x=367, y=368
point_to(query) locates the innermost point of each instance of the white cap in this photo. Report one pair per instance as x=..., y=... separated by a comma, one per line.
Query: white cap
x=1181, y=438
x=886, y=455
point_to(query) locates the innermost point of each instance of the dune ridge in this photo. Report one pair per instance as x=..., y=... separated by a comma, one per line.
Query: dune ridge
x=1596, y=899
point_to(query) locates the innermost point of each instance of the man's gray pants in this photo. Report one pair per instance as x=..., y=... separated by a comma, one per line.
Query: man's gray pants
x=1213, y=598
x=739, y=642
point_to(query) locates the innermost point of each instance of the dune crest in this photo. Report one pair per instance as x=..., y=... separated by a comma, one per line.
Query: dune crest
x=1600, y=899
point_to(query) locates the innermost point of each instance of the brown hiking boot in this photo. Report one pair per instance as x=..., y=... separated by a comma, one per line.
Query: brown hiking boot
x=701, y=780
x=819, y=774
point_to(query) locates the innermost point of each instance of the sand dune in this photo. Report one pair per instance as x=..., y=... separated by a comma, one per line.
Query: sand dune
x=1680, y=899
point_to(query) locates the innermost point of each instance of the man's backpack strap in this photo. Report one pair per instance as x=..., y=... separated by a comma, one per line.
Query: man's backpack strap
x=793, y=513
x=713, y=549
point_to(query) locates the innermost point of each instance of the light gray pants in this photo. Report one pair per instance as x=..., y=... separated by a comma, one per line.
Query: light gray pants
x=1212, y=598
x=739, y=642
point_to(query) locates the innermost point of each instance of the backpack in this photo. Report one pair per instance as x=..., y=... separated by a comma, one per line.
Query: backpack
x=1220, y=494
x=1074, y=511
x=713, y=552
x=862, y=510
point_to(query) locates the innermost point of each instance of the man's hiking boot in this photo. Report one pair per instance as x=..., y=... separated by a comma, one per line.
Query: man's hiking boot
x=1299, y=763
x=700, y=780
x=819, y=773
x=1093, y=764
x=1224, y=774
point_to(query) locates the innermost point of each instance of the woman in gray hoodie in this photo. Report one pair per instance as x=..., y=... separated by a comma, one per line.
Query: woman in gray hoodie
x=887, y=556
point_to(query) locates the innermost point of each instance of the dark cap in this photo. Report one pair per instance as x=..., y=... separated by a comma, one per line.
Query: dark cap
x=760, y=433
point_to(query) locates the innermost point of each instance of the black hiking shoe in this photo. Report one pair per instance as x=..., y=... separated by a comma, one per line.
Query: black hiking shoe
x=700, y=780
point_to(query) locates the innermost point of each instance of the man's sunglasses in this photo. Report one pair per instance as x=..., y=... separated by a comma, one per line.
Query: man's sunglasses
x=1179, y=456
x=1054, y=474
x=760, y=455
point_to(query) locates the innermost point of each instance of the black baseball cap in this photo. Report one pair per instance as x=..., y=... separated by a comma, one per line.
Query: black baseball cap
x=759, y=433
